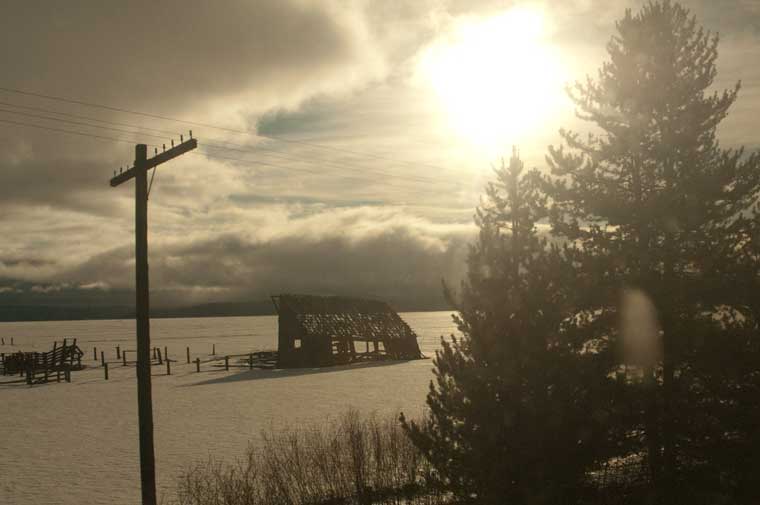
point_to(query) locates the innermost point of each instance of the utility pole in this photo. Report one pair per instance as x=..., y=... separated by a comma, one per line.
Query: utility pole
x=144, y=396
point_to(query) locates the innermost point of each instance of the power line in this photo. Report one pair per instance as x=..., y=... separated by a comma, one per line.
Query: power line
x=87, y=118
x=238, y=147
x=79, y=123
x=216, y=127
x=244, y=162
x=337, y=165
x=242, y=148
x=61, y=130
x=255, y=163
x=117, y=109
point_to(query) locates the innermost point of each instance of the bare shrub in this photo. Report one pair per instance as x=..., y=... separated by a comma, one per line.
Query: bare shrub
x=353, y=460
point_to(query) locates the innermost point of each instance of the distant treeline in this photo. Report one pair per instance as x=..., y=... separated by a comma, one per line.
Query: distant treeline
x=11, y=313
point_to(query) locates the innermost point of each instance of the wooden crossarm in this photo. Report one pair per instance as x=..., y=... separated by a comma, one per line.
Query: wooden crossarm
x=163, y=157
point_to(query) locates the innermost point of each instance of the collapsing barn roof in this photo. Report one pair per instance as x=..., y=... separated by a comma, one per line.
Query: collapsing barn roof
x=327, y=330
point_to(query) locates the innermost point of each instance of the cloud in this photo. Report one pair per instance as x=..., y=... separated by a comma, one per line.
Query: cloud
x=225, y=63
x=380, y=252
x=278, y=216
x=172, y=56
x=102, y=286
x=49, y=288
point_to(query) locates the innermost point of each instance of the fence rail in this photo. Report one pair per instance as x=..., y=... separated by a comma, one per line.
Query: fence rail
x=41, y=367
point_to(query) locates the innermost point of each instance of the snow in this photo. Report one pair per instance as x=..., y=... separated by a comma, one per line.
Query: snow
x=75, y=443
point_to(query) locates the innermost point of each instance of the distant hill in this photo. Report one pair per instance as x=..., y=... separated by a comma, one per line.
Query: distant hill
x=218, y=309
x=74, y=312
x=61, y=312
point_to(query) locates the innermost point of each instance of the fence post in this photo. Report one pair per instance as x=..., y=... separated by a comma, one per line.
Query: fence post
x=94, y=354
x=124, y=358
x=166, y=353
x=29, y=375
x=160, y=359
x=226, y=362
x=197, y=365
x=118, y=352
x=58, y=375
x=105, y=370
x=103, y=358
x=188, y=355
x=213, y=349
x=67, y=373
x=250, y=361
x=168, y=367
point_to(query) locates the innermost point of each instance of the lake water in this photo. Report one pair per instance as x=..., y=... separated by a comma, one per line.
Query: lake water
x=77, y=443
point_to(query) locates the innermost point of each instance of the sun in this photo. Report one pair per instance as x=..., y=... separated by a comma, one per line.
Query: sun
x=497, y=79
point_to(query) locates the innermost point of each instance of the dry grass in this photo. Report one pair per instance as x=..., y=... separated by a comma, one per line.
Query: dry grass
x=354, y=460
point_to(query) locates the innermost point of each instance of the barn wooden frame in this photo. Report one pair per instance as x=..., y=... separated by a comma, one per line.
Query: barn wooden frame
x=331, y=330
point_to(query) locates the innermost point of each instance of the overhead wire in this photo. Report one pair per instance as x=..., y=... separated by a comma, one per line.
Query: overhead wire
x=61, y=130
x=237, y=147
x=255, y=163
x=244, y=162
x=217, y=127
x=87, y=118
x=245, y=149
x=79, y=123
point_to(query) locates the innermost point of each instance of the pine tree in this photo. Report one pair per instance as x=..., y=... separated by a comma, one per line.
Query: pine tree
x=657, y=205
x=514, y=414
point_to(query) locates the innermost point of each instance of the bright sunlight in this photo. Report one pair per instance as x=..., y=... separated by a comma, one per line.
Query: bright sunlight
x=497, y=79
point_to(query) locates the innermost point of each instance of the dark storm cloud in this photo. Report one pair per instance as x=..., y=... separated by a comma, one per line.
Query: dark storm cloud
x=164, y=54
x=388, y=256
x=74, y=184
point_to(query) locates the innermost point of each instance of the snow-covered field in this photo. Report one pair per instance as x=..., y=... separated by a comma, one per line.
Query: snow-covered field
x=77, y=443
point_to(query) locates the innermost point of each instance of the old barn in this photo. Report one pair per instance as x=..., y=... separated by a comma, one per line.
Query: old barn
x=329, y=330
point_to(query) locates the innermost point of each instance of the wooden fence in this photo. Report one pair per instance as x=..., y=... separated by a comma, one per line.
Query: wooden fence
x=40, y=367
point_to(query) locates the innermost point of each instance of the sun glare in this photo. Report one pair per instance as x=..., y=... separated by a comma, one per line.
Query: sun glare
x=497, y=79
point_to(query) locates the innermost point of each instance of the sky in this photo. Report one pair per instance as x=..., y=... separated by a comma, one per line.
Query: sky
x=343, y=145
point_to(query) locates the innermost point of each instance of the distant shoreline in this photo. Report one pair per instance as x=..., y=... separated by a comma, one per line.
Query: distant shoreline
x=52, y=313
